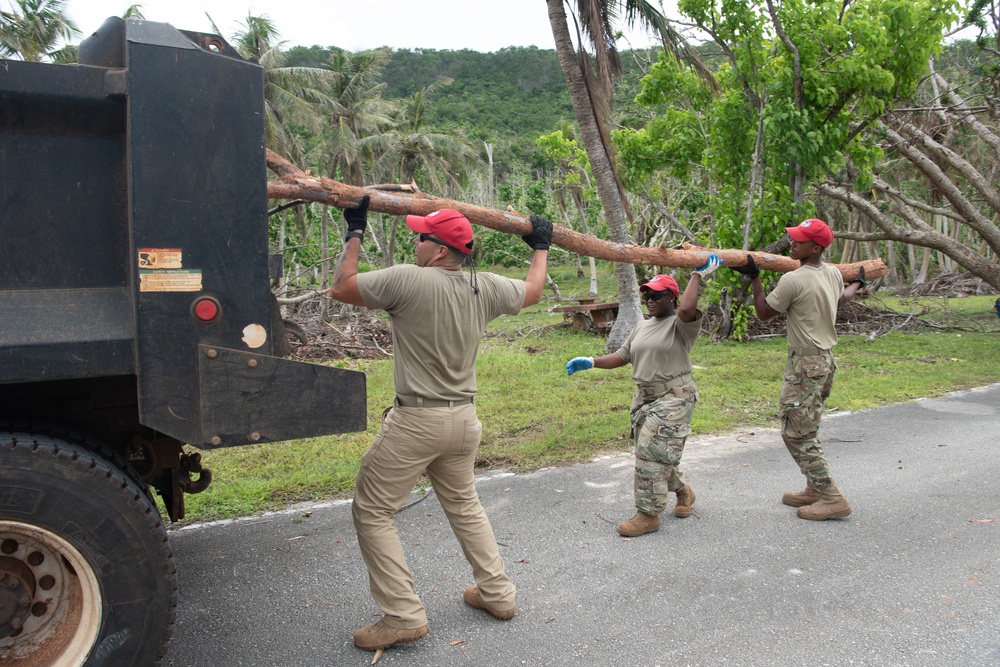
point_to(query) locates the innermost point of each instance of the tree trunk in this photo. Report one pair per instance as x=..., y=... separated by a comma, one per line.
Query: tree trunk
x=578, y=200
x=629, y=309
x=296, y=184
x=324, y=265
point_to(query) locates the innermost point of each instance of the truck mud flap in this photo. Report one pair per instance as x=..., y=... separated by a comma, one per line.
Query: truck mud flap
x=247, y=397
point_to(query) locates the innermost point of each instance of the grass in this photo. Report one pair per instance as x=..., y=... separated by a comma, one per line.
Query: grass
x=535, y=415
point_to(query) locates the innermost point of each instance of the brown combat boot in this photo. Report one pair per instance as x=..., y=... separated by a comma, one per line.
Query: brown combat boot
x=831, y=505
x=800, y=498
x=640, y=524
x=474, y=599
x=379, y=635
x=685, y=499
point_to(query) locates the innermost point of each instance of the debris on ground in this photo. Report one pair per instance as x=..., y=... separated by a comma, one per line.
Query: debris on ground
x=362, y=335
x=949, y=285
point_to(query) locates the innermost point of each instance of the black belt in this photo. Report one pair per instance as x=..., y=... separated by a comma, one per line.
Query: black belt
x=418, y=402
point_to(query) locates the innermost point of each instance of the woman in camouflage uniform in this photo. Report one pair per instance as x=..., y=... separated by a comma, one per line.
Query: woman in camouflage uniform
x=665, y=395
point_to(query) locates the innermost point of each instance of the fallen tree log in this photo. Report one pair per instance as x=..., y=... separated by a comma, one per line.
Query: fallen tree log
x=297, y=184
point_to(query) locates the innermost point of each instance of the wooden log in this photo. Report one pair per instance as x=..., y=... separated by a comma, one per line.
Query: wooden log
x=297, y=184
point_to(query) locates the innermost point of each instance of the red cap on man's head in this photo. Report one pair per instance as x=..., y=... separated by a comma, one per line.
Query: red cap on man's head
x=814, y=230
x=450, y=226
x=661, y=283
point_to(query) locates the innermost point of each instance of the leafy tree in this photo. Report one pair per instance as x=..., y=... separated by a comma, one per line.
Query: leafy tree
x=801, y=85
x=574, y=179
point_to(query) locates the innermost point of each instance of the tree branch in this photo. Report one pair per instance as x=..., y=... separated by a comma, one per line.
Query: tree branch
x=297, y=184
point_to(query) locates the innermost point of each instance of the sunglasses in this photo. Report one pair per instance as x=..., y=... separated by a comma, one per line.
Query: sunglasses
x=428, y=237
x=655, y=296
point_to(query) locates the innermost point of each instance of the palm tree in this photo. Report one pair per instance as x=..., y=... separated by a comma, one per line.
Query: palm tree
x=590, y=83
x=31, y=30
x=355, y=115
x=411, y=148
x=291, y=94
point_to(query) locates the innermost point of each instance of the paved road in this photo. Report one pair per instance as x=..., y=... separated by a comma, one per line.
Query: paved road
x=911, y=578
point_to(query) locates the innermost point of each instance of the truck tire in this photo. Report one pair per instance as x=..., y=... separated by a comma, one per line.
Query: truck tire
x=86, y=573
x=72, y=436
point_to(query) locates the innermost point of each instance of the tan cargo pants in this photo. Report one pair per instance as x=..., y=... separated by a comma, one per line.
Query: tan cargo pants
x=442, y=442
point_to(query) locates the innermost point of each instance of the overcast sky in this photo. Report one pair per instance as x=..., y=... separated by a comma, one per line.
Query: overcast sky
x=354, y=24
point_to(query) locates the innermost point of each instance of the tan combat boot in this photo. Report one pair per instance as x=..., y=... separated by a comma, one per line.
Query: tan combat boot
x=640, y=524
x=685, y=499
x=379, y=635
x=800, y=498
x=831, y=505
x=474, y=599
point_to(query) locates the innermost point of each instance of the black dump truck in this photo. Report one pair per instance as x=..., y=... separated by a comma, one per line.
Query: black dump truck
x=136, y=318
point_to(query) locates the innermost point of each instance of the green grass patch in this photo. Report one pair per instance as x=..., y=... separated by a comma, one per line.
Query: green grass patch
x=535, y=415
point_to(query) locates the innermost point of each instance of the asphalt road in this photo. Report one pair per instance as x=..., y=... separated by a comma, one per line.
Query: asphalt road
x=911, y=578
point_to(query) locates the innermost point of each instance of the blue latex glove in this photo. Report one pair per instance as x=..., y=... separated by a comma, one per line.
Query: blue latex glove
x=579, y=364
x=711, y=266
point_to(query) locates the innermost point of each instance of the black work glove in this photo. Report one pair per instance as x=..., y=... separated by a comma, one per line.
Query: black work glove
x=357, y=220
x=861, y=278
x=541, y=236
x=751, y=270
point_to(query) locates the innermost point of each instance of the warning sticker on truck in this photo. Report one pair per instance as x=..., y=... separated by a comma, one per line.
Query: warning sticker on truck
x=170, y=280
x=160, y=258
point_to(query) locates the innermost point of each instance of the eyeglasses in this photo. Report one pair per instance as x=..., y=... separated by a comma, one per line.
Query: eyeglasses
x=654, y=296
x=428, y=237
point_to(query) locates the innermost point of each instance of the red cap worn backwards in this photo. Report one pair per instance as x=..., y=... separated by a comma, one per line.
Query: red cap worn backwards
x=814, y=230
x=660, y=283
x=450, y=226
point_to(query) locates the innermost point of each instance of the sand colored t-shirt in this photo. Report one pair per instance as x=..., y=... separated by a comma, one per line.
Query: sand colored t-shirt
x=809, y=296
x=437, y=322
x=659, y=349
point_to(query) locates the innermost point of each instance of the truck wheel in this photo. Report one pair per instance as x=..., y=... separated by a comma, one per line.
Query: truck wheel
x=86, y=574
x=74, y=437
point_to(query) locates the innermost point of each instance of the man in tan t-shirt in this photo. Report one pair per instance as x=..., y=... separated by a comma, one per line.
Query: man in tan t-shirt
x=809, y=296
x=438, y=315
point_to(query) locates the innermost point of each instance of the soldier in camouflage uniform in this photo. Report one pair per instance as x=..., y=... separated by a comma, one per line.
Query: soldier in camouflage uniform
x=809, y=296
x=665, y=395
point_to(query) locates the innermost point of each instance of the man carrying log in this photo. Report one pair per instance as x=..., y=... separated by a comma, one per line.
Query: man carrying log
x=438, y=314
x=809, y=296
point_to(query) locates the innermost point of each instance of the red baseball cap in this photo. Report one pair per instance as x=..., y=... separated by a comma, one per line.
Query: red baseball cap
x=814, y=230
x=450, y=226
x=660, y=283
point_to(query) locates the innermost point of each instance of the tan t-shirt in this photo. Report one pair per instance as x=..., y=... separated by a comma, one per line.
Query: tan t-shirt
x=659, y=349
x=437, y=322
x=809, y=296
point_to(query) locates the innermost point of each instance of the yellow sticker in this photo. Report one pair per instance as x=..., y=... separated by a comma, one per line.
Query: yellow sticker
x=170, y=280
x=160, y=258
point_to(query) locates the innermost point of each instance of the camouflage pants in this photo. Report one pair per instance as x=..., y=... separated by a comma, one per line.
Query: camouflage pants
x=660, y=428
x=807, y=383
